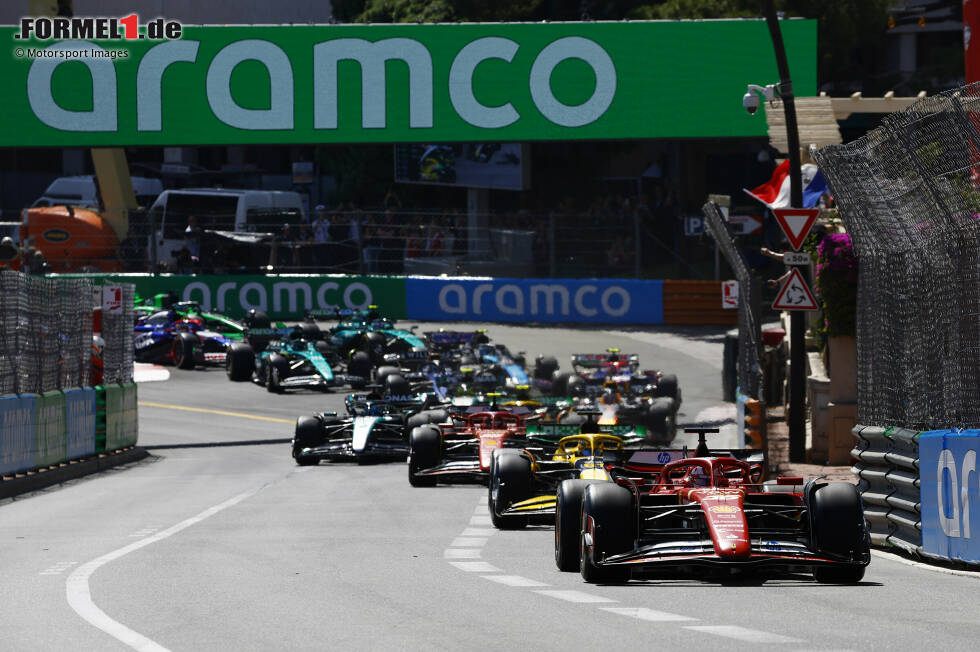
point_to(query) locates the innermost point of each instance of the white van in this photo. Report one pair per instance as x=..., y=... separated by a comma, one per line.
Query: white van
x=241, y=211
x=82, y=191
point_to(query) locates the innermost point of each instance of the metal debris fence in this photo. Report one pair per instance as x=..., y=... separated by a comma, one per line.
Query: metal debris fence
x=750, y=349
x=118, y=334
x=909, y=196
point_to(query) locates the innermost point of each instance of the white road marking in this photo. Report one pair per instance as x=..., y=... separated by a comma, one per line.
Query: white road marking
x=575, y=596
x=475, y=566
x=482, y=500
x=480, y=520
x=480, y=509
x=145, y=532
x=513, y=580
x=742, y=634
x=462, y=553
x=651, y=615
x=145, y=373
x=468, y=542
x=477, y=532
x=80, y=597
x=58, y=568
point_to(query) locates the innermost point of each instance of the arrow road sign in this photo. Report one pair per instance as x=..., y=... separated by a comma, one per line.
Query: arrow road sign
x=744, y=224
x=796, y=223
x=795, y=294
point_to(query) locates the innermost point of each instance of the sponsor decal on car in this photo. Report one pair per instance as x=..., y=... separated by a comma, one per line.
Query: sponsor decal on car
x=724, y=509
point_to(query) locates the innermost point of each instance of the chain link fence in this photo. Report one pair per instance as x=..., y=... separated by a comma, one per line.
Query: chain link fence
x=909, y=196
x=118, y=335
x=750, y=348
x=45, y=333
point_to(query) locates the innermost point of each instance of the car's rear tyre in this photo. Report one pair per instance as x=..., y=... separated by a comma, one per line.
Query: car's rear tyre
x=545, y=367
x=559, y=384
x=568, y=523
x=667, y=386
x=396, y=385
x=609, y=509
x=276, y=369
x=839, y=529
x=359, y=368
x=310, y=331
x=425, y=450
x=259, y=320
x=660, y=420
x=383, y=372
x=510, y=482
x=240, y=362
x=183, y=350
x=308, y=434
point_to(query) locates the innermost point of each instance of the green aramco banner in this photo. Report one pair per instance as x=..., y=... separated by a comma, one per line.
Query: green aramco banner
x=393, y=83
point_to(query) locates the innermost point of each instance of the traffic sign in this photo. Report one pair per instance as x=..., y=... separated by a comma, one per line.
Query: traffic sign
x=796, y=258
x=795, y=295
x=796, y=223
x=694, y=225
x=745, y=224
x=729, y=294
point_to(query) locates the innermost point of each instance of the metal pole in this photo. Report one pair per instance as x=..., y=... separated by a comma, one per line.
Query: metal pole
x=797, y=329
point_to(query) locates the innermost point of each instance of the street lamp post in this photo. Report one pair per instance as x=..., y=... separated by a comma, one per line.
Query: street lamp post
x=797, y=335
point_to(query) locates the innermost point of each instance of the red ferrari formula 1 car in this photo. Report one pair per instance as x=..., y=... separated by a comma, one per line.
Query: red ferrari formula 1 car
x=710, y=515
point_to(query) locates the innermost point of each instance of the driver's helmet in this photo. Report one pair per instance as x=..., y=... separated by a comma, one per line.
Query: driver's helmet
x=376, y=409
x=698, y=477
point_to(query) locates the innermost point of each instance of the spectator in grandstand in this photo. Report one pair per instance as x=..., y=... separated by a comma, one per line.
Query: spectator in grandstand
x=9, y=253
x=283, y=244
x=371, y=250
x=321, y=225
x=192, y=238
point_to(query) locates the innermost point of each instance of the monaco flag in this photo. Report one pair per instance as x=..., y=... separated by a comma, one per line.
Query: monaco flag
x=775, y=193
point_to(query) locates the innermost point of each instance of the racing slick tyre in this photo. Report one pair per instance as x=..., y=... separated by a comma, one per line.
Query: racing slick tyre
x=426, y=416
x=307, y=435
x=183, y=351
x=509, y=483
x=359, y=367
x=839, y=529
x=310, y=331
x=396, y=385
x=275, y=370
x=575, y=385
x=660, y=419
x=568, y=522
x=607, y=518
x=559, y=384
x=424, y=451
x=545, y=367
x=240, y=362
x=374, y=345
x=383, y=372
x=667, y=386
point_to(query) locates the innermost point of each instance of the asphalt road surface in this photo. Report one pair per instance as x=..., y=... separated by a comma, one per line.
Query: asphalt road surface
x=220, y=542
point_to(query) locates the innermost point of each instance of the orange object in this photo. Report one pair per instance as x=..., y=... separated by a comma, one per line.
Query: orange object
x=71, y=238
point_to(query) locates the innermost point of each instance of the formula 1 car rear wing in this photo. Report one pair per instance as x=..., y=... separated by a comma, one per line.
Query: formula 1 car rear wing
x=555, y=431
x=597, y=360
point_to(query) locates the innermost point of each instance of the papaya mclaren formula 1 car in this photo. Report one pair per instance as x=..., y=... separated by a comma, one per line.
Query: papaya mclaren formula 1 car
x=711, y=515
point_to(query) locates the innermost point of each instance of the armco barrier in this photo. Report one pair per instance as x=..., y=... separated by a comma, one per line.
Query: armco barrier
x=80, y=422
x=50, y=433
x=598, y=301
x=950, y=494
x=16, y=434
x=888, y=466
x=122, y=420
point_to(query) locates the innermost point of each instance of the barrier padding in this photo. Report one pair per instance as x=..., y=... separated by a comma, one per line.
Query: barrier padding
x=122, y=417
x=950, y=494
x=16, y=433
x=80, y=422
x=50, y=433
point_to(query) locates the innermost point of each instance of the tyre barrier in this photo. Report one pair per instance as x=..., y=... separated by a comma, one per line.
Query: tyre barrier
x=888, y=468
x=42, y=430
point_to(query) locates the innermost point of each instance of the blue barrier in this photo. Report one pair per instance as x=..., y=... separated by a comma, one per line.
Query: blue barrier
x=80, y=422
x=593, y=301
x=950, y=494
x=16, y=433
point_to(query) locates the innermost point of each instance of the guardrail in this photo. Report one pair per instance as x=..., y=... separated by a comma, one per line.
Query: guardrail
x=888, y=468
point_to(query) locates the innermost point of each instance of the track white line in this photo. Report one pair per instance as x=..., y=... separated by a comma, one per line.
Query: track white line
x=480, y=520
x=576, y=596
x=80, y=597
x=743, y=634
x=475, y=566
x=468, y=542
x=651, y=615
x=513, y=580
x=477, y=532
x=462, y=553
